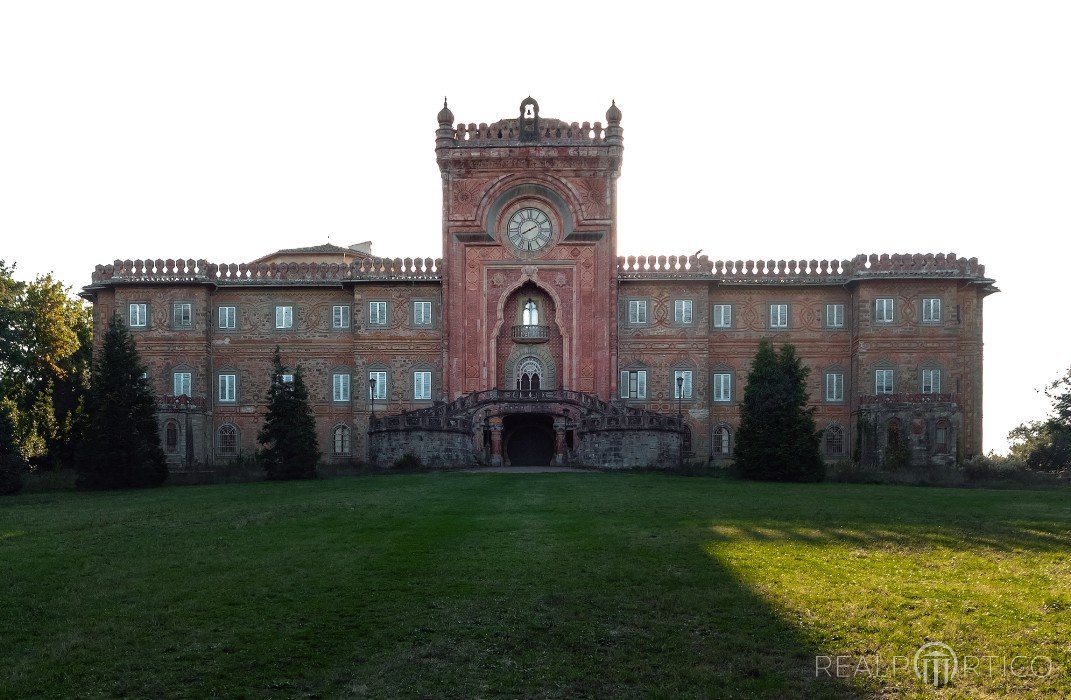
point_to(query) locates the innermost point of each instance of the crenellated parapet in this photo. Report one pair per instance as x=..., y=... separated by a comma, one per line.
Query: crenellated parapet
x=860, y=267
x=551, y=131
x=170, y=271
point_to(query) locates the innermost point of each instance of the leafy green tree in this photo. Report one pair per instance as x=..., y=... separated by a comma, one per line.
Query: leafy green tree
x=12, y=464
x=1046, y=445
x=121, y=448
x=45, y=346
x=777, y=440
x=289, y=431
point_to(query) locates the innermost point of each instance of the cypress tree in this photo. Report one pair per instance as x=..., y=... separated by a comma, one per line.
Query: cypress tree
x=289, y=431
x=777, y=440
x=121, y=448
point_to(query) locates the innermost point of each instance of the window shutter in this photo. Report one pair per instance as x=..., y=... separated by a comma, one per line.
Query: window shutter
x=641, y=384
x=622, y=388
x=687, y=385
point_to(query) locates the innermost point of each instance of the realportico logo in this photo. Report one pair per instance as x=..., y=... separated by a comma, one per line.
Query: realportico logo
x=935, y=664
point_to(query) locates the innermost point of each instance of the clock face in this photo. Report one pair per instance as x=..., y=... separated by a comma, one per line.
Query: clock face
x=529, y=229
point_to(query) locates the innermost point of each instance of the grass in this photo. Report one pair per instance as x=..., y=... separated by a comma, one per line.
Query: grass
x=559, y=585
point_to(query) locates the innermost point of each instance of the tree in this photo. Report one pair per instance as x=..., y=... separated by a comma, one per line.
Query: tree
x=289, y=431
x=1046, y=445
x=45, y=345
x=777, y=440
x=12, y=464
x=121, y=448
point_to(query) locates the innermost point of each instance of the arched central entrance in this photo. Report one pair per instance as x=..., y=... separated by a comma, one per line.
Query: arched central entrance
x=528, y=439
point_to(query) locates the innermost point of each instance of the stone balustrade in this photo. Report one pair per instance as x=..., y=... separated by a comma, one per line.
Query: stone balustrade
x=200, y=271
x=551, y=131
x=798, y=271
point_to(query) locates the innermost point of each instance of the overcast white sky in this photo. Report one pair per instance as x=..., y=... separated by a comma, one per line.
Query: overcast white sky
x=226, y=130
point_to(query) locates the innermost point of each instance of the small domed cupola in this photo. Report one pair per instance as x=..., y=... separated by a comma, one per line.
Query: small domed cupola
x=613, y=115
x=446, y=117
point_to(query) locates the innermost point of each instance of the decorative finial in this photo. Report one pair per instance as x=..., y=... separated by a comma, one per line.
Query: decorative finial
x=446, y=117
x=613, y=115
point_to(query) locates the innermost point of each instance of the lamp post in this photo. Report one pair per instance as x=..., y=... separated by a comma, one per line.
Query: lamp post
x=372, y=397
x=680, y=418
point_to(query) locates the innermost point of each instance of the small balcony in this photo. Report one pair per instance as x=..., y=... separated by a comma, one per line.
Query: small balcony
x=531, y=334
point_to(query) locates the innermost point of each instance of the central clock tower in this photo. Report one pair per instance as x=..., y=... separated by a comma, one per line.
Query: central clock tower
x=530, y=250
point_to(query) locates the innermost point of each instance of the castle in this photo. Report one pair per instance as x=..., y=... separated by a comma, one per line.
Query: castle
x=531, y=342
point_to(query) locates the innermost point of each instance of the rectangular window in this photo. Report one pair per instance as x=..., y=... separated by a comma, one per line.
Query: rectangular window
x=181, y=314
x=139, y=317
x=421, y=313
x=931, y=381
x=633, y=384
x=340, y=387
x=227, y=383
x=287, y=378
x=377, y=385
x=778, y=315
x=682, y=311
x=637, y=311
x=228, y=319
x=834, y=315
x=723, y=386
x=931, y=310
x=377, y=313
x=284, y=317
x=883, y=381
x=883, y=311
x=422, y=385
x=340, y=317
x=834, y=386
x=682, y=384
x=182, y=383
x=723, y=315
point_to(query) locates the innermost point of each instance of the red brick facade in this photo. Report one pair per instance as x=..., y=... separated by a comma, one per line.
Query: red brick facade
x=530, y=289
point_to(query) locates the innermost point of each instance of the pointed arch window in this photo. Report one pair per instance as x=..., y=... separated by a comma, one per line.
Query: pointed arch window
x=530, y=316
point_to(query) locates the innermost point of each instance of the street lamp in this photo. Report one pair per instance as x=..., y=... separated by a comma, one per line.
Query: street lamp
x=372, y=396
x=680, y=417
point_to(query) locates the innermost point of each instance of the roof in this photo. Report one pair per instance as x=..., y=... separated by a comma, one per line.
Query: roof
x=324, y=249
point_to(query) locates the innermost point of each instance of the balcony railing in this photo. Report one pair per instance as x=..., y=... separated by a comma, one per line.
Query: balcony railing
x=531, y=334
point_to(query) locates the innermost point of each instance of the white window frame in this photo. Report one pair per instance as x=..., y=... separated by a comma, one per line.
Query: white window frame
x=231, y=450
x=377, y=313
x=835, y=387
x=686, y=387
x=884, y=310
x=834, y=315
x=381, y=385
x=637, y=312
x=138, y=315
x=340, y=317
x=722, y=387
x=682, y=312
x=227, y=317
x=181, y=314
x=340, y=386
x=723, y=315
x=727, y=444
x=422, y=313
x=421, y=385
x=633, y=384
x=284, y=317
x=931, y=310
x=884, y=381
x=182, y=383
x=227, y=388
x=931, y=381
x=778, y=315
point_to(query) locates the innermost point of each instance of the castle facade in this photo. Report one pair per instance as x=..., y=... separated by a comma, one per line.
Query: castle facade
x=532, y=342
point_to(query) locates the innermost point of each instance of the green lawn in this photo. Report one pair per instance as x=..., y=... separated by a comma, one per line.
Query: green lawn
x=552, y=585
